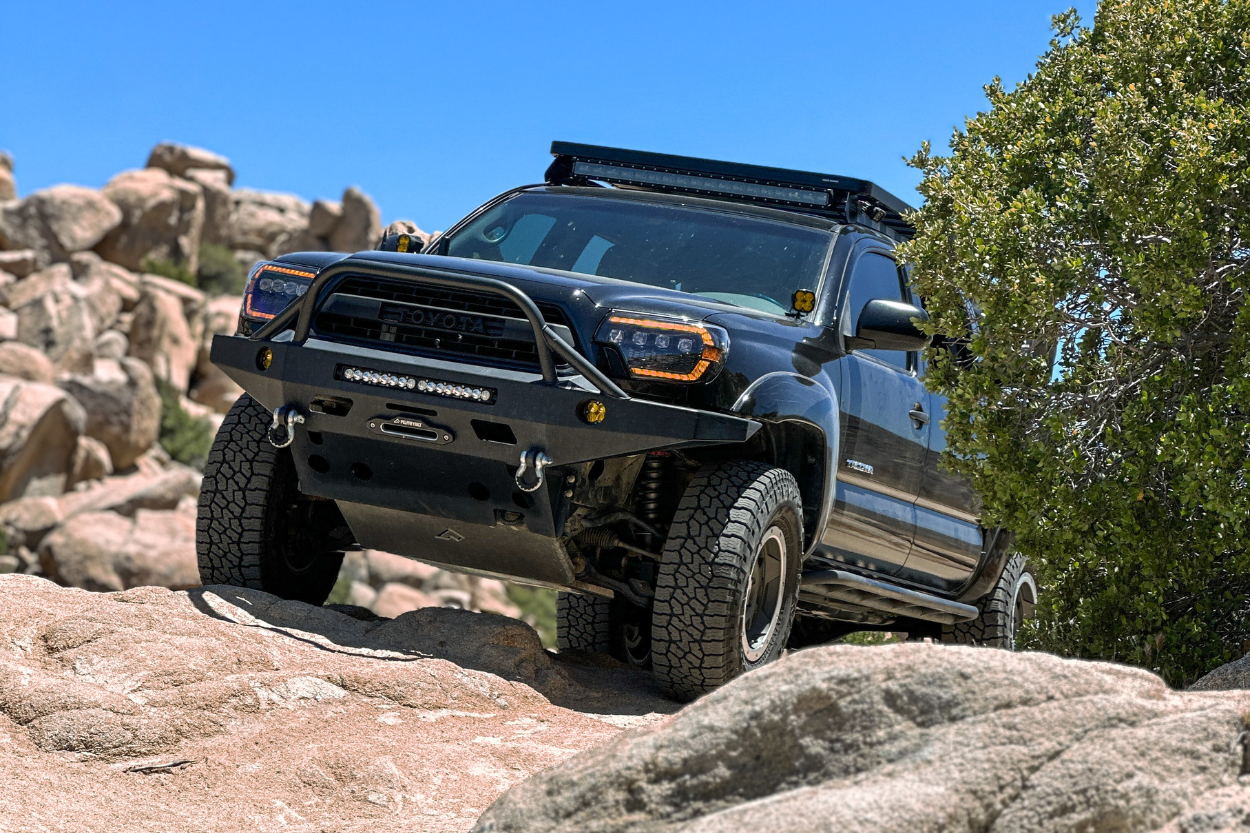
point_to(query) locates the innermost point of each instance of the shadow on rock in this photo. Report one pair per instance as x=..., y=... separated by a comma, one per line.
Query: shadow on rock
x=499, y=645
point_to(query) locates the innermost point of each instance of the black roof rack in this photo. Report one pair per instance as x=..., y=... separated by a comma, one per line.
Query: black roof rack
x=844, y=198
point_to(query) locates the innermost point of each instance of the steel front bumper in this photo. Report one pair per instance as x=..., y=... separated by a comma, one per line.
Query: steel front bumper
x=434, y=477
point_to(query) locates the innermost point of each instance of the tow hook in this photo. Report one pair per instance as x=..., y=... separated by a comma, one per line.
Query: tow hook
x=282, y=431
x=536, y=459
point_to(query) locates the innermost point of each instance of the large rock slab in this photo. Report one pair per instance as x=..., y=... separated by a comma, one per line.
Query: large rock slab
x=56, y=222
x=39, y=430
x=916, y=738
x=162, y=218
x=285, y=716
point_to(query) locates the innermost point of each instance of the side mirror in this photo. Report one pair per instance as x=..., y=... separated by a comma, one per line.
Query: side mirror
x=887, y=325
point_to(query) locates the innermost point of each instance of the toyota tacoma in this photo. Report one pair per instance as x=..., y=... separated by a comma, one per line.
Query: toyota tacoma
x=686, y=394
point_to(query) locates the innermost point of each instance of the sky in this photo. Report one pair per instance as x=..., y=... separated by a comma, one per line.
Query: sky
x=433, y=108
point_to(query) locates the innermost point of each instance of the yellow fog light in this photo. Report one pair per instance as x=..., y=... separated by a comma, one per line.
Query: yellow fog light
x=264, y=358
x=804, y=300
x=594, y=411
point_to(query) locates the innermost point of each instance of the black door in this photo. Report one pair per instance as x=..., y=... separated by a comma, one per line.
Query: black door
x=948, y=539
x=885, y=433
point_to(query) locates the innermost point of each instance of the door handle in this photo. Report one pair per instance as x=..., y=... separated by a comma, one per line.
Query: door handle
x=918, y=417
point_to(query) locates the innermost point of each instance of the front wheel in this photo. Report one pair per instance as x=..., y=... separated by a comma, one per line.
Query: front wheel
x=728, y=579
x=253, y=528
x=1003, y=610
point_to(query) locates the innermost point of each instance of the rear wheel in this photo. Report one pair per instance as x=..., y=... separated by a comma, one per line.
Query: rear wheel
x=253, y=528
x=728, y=578
x=582, y=623
x=1003, y=610
x=596, y=625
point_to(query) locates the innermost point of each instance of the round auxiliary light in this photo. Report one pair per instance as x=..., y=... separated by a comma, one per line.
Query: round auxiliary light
x=264, y=358
x=593, y=411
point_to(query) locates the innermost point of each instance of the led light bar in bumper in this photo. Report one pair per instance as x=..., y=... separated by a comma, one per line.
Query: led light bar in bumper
x=453, y=390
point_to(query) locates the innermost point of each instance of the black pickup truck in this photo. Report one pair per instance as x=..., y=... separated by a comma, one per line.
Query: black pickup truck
x=687, y=394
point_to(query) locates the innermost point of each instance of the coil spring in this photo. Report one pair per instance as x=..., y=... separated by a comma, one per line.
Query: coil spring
x=652, y=481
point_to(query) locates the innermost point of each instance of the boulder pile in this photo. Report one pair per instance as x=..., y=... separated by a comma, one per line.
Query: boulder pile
x=95, y=351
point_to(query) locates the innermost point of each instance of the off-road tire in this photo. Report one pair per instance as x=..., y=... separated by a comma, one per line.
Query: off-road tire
x=243, y=533
x=727, y=512
x=582, y=623
x=1002, y=610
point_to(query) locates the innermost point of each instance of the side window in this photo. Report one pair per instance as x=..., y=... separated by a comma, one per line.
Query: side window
x=876, y=276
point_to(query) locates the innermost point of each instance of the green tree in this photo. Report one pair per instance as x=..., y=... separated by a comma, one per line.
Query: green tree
x=1097, y=216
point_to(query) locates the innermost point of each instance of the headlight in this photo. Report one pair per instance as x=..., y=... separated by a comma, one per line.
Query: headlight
x=272, y=287
x=671, y=351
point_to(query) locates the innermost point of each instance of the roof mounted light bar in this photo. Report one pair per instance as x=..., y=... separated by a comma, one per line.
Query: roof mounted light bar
x=846, y=198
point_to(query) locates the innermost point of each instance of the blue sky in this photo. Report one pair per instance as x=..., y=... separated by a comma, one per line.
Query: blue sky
x=433, y=108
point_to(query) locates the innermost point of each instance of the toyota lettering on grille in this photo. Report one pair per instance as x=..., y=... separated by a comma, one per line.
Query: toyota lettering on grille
x=458, y=322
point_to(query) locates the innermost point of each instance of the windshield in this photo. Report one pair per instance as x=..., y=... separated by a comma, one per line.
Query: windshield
x=743, y=260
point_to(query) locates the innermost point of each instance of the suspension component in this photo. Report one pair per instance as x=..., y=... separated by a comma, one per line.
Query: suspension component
x=653, y=481
x=606, y=539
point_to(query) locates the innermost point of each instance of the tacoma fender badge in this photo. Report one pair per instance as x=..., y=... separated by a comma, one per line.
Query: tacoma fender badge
x=855, y=465
x=450, y=534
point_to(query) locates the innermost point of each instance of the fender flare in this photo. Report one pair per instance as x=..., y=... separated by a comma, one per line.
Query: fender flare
x=786, y=396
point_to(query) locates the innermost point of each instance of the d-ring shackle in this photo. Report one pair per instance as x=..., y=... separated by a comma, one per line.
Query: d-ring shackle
x=536, y=458
x=285, y=419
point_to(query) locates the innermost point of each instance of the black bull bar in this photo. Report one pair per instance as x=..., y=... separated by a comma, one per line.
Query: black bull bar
x=446, y=479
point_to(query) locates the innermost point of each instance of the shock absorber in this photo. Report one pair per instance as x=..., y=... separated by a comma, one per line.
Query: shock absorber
x=653, y=481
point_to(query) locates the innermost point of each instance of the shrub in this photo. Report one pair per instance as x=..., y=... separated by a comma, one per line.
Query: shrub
x=1103, y=206
x=219, y=273
x=168, y=269
x=185, y=438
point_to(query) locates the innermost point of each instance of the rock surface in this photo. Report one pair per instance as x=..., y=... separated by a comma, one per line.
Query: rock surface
x=57, y=315
x=8, y=186
x=911, y=738
x=39, y=430
x=162, y=218
x=122, y=405
x=180, y=160
x=359, y=227
x=56, y=222
x=254, y=714
x=161, y=333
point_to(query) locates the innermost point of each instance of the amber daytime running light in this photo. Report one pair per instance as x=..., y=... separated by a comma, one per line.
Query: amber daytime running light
x=272, y=288
x=668, y=351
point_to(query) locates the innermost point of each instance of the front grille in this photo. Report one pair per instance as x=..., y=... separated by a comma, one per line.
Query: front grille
x=444, y=321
